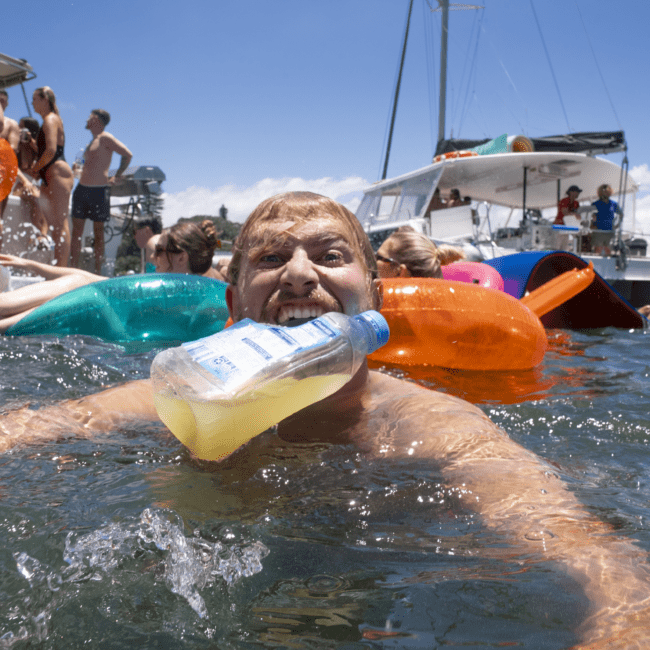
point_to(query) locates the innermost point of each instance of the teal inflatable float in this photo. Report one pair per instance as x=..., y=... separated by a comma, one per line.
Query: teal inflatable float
x=136, y=311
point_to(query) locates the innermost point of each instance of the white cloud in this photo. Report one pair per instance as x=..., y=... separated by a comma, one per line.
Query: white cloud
x=241, y=201
x=641, y=175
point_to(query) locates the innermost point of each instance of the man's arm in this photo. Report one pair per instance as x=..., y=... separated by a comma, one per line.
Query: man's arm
x=85, y=417
x=115, y=146
x=14, y=134
x=522, y=497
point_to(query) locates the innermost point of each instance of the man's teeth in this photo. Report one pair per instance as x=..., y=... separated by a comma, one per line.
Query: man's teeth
x=289, y=313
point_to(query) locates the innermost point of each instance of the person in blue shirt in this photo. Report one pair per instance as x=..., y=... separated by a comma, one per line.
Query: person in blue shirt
x=607, y=209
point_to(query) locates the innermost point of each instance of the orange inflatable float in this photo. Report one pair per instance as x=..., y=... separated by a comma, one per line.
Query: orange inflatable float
x=8, y=169
x=458, y=325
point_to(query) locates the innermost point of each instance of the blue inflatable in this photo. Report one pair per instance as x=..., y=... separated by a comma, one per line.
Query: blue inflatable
x=159, y=309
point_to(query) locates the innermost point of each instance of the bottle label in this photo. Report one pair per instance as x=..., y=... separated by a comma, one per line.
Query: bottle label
x=246, y=347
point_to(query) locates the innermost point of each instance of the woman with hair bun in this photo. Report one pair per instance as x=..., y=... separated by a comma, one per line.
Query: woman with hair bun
x=54, y=171
x=188, y=248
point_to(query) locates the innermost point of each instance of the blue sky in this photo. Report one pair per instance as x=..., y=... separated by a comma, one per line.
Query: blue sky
x=236, y=101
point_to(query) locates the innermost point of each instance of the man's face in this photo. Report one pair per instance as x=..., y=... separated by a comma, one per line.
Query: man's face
x=302, y=271
x=142, y=236
x=91, y=120
x=4, y=101
x=605, y=193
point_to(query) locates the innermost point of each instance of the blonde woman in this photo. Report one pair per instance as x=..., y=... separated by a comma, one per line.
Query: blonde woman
x=407, y=253
x=54, y=171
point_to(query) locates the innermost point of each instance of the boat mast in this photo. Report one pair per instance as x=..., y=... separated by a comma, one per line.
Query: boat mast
x=397, y=87
x=444, y=6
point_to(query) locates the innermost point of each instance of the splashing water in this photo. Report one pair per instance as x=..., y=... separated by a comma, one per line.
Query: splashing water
x=188, y=564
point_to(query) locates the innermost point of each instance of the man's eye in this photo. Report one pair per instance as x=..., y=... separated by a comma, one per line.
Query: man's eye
x=332, y=256
x=270, y=258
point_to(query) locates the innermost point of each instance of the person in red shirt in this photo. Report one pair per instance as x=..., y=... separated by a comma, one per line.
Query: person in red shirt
x=568, y=205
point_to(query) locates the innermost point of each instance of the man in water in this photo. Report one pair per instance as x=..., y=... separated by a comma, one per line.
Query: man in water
x=91, y=198
x=9, y=131
x=300, y=255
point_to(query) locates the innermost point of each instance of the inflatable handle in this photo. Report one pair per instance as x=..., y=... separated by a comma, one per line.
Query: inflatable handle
x=8, y=169
x=156, y=308
x=559, y=290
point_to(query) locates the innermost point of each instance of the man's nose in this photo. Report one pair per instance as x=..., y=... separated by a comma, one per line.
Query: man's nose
x=299, y=274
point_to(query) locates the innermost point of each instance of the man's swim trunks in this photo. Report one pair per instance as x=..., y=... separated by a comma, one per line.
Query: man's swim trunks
x=92, y=203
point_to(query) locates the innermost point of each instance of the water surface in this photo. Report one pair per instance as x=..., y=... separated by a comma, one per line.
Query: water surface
x=124, y=541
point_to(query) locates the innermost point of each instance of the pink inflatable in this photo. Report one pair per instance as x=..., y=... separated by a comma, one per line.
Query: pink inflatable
x=473, y=273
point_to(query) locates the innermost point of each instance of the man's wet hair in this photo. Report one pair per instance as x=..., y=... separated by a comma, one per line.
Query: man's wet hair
x=299, y=207
x=31, y=125
x=103, y=115
x=155, y=223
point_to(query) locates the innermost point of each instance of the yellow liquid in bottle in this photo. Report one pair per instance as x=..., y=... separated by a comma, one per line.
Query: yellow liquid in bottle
x=213, y=430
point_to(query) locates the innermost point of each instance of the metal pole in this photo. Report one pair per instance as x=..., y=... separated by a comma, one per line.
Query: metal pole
x=397, y=87
x=444, y=4
x=29, y=112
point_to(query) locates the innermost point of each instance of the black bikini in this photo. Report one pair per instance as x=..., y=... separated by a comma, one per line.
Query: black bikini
x=58, y=155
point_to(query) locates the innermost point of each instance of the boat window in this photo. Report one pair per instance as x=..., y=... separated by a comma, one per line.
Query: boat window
x=368, y=209
x=417, y=193
x=387, y=203
x=398, y=202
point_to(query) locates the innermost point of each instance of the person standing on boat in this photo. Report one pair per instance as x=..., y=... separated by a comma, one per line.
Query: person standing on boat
x=568, y=205
x=10, y=132
x=91, y=198
x=604, y=219
x=454, y=199
x=54, y=171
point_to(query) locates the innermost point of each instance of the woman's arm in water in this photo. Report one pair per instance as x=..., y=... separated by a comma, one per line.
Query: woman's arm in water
x=519, y=495
x=47, y=271
x=15, y=305
x=84, y=418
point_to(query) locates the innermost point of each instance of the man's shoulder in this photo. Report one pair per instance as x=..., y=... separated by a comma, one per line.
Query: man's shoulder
x=408, y=420
x=105, y=137
x=387, y=390
x=9, y=125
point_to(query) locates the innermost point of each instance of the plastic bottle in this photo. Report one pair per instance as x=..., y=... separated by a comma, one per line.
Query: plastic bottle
x=217, y=393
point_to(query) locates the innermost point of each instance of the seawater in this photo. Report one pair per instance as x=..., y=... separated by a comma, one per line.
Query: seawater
x=124, y=541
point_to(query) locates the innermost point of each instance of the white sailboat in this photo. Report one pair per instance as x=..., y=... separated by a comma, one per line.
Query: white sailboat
x=526, y=177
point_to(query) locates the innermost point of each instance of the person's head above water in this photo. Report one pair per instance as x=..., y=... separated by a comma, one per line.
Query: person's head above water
x=187, y=248
x=408, y=253
x=144, y=228
x=298, y=256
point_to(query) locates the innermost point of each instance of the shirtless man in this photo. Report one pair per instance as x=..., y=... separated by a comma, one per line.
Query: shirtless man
x=302, y=253
x=10, y=132
x=91, y=198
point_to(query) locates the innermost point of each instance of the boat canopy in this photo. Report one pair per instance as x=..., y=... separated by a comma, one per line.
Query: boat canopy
x=14, y=71
x=592, y=142
x=513, y=180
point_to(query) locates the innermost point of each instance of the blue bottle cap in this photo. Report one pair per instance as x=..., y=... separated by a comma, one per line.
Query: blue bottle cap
x=375, y=323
